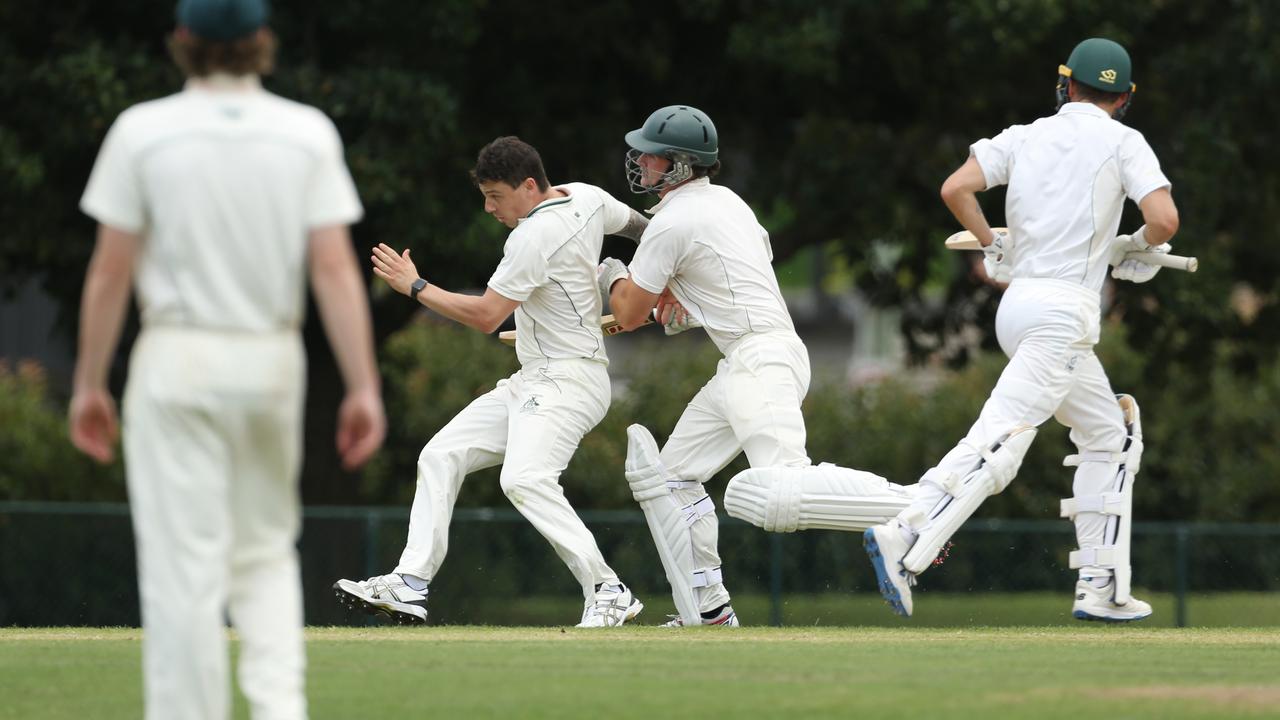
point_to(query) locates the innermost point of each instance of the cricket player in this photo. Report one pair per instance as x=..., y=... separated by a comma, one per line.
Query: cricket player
x=705, y=255
x=1068, y=176
x=532, y=422
x=216, y=202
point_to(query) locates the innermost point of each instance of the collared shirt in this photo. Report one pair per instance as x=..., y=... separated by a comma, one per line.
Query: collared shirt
x=223, y=181
x=1068, y=175
x=705, y=243
x=549, y=266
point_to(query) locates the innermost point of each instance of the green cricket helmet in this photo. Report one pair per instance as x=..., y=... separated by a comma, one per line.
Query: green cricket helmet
x=679, y=132
x=1101, y=64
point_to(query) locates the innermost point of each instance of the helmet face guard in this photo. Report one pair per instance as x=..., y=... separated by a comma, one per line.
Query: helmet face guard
x=680, y=171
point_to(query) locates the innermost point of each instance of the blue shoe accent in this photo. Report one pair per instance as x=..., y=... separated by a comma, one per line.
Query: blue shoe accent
x=1082, y=615
x=887, y=589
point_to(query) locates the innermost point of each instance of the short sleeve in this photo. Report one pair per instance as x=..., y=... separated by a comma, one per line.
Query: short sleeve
x=1139, y=169
x=616, y=213
x=995, y=155
x=332, y=197
x=114, y=195
x=655, y=260
x=523, y=267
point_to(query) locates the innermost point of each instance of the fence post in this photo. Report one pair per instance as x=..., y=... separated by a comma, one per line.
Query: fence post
x=775, y=579
x=1182, y=564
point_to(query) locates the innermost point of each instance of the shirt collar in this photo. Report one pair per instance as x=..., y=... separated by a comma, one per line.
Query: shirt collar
x=223, y=82
x=549, y=203
x=687, y=185
x=1083, y=107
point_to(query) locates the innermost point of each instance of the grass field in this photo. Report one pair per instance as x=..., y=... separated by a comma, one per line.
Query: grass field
x=650, y=672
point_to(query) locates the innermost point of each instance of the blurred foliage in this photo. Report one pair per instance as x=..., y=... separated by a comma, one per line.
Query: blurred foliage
x=39, y=461
x=839, y=120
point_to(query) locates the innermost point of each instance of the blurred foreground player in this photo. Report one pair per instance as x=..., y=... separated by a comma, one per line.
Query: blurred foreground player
x=219, y=199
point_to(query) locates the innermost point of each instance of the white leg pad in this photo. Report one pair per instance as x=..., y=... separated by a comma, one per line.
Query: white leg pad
x=814, y=497
x=995, y=469
x=1116, y=504
x=652, y=486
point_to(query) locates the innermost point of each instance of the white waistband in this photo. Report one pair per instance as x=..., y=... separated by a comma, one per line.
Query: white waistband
x=1056, y=285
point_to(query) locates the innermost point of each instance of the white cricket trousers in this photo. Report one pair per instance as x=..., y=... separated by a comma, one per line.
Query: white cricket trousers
x=212, y=442
x=752, y=405
x=531, y=424
x=1048, y=329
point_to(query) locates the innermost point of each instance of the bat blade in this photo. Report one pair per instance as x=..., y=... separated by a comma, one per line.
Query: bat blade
x=964, y=240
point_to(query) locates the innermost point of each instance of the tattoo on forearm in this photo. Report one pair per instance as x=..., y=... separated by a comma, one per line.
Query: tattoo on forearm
x=634, y=227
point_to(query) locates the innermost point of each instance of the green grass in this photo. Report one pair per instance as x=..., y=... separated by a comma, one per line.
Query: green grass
x=649, y=672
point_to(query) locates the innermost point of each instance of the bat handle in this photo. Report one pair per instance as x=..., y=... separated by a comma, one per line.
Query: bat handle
x=1165, y=260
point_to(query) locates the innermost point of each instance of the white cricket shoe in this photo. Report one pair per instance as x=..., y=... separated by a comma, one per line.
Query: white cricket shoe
x=886, y=548
x=1095, y=603
x=725, y=617
x=611, y=606
x=386, y=595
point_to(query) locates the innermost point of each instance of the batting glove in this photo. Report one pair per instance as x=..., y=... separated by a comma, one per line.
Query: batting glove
x=997, y=258
x=1136, y=271
x=610, y=271
x=675, y=328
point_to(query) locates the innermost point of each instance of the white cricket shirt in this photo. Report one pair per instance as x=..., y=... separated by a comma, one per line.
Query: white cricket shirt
x=223, y=181
x=549, y=266
x=1068, y=175
x=705, y=244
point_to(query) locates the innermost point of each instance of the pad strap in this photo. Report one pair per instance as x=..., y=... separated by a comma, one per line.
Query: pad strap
x=1103, y=556
x=1100, y=457
x=683, y=484
x=698, y=509
x=706, y=577
x=1107, y=503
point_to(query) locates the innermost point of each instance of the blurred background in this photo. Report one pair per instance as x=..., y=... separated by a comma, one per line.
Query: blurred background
x=838, y=122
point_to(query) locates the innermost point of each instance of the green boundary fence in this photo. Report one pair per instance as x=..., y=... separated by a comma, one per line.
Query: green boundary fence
x=993, y=556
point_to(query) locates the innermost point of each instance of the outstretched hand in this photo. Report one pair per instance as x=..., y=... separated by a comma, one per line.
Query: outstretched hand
x=398, y=270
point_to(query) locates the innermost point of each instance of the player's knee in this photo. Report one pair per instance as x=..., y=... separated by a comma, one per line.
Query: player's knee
x=768, y=498
x=519, y=483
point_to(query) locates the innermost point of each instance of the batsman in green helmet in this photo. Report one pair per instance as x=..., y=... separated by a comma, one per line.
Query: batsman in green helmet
x=1068, y=176
x=705, y=251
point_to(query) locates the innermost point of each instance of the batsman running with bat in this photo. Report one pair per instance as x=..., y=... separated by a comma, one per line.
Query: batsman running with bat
x=1068, y=176
x=704, y=254
x=532, y=422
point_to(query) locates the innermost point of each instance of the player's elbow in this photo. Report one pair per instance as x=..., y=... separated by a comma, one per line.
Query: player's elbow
x=1165, y=224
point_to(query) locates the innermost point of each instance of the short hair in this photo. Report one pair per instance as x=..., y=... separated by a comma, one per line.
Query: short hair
x=510, y=160
x=1091, y=94
x=197, y=57
x=706, y=171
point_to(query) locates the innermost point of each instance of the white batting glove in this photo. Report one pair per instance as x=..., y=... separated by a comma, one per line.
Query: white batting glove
x=1136, y=271
x=610, y=271
x=997, y=258
x=679, y=322
x=1125, y=244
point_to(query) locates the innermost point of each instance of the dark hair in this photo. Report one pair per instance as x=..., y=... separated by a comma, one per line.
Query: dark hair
x=510, y=160
x=198, y=57
x=1091, y=94
x=706, y=171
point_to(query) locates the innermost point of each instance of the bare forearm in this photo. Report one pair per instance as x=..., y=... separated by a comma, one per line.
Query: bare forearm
x=474, y=311
x=102, y=310
x=630, y=303
x=344, y=311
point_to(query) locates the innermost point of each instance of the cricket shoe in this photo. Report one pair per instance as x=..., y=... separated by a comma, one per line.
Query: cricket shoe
x=724, y=616
x=886, y=547
x=386, y=595
x=1095, y=603
x=611, y=606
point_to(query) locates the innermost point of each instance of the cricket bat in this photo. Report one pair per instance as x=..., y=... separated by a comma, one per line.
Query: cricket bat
x=608, y=326
x=964, y=240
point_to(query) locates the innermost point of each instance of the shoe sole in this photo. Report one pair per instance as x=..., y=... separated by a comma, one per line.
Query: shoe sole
x=1082, y=615
x=380, y=608
x=887, y=589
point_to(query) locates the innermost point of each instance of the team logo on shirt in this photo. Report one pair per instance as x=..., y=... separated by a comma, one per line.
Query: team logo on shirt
x=530, y=405
x=1108, y=76
x=1071, y=363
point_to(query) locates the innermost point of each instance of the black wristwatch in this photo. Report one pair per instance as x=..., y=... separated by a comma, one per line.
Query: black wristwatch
x=416, y=288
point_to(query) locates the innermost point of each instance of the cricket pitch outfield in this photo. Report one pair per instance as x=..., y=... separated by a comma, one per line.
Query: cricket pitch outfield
x=654, y=672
